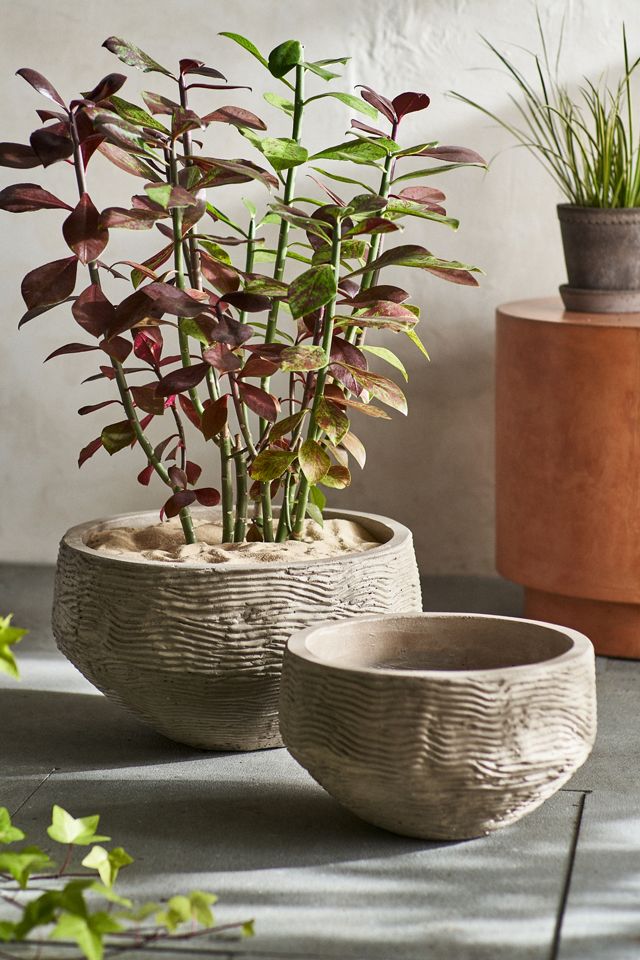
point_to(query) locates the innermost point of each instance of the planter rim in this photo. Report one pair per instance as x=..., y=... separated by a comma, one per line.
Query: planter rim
x=580, y=645
x=628, y=213
x=74, y=539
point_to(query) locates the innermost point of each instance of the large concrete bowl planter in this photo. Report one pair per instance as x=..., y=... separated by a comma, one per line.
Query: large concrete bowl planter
x=439, y=726
x=602, y=254
x=195, y=649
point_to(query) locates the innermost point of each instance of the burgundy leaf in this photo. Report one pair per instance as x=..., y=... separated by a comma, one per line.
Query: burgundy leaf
x=144, y=423
x=259, y=367
x=332, y=196
x=93, y=311
x=126, y=161
x=41, y=84
x=106, y=87
x=52, y=143
x=46, y=115
x=89, y=450
x=381, y=292
x=132, y=310
x=214, y=418
x=157, y=104
x=152, y=263
x=147, y=345
x=129, y=219
x=409, y=102
x=183, y=379
x=236, y=116
x=343, y=351
x=208, y=497
x=147, y=399
x=359, y=125
x=452, y=155
x=250, y=302
x=199, y=68
x=176, y=503
x=221, y=358
x=51, y=283
x=144, y=477
x=71, y=348
x=183, y=120
x=24, y=197
x=221, y=276
x=421, y=195
x=117, y=348
x=193, y=471
x=381, y=103
x=454, y=276
x=189, y=410
x=261, y=402
x=178, y=477
x=83, y=411
x=83, y=231
x=173, y=301
x=18, y=155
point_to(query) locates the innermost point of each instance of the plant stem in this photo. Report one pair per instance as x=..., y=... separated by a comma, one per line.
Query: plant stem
x=278, y=273
x=121, y=382
x=241, y=494
x=327, y=336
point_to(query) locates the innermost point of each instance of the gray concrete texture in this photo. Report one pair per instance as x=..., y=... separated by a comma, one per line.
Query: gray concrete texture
x=432, y=471
x=560, y=885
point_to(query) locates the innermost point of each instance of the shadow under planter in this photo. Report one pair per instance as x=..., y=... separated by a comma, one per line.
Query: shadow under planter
x=568, y=468
x=195, y=649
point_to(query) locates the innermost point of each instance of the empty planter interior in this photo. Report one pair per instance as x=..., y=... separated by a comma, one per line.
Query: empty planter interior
x=439, y=726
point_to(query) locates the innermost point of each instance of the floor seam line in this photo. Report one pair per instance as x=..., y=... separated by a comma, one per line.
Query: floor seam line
x=17, y=809
x=566, y=887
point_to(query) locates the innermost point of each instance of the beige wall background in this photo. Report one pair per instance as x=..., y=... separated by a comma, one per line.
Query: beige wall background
x=434, y=470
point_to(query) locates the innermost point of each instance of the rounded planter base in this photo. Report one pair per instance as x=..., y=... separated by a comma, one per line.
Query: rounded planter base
x=614, y=628
x=581, y=300
x=195, y=649
x=439, y=726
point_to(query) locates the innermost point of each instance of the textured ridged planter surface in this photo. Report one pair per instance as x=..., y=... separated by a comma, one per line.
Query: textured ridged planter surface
x=439, y=726
x=195, y=649
x=602, y=254
x=568, y=468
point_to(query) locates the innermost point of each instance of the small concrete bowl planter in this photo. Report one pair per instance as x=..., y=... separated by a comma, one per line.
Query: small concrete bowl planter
x=602, y=254
x=439, y=726
x=195, y=649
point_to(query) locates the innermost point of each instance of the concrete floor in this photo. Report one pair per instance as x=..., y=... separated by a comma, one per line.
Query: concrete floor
x=562, y=884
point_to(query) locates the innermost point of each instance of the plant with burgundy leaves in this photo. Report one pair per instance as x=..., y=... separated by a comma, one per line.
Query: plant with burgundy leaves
x=270, y=363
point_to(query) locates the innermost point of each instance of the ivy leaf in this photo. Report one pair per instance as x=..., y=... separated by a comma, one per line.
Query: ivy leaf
x=314, y=461
x=87, y=931
x=135, y=57
x=23, y=863
x=285, y=57
x=9, y=833
x=108, y=863
x=8, y=636
x=271, y=464
x=201, y=903
x=178, y=912
x=311, y=290
x=67, y=829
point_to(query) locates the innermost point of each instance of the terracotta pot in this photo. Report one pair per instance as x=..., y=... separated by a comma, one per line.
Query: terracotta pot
x=568, y=468
x=602, y=254
x=195, y=649
x=440, y=726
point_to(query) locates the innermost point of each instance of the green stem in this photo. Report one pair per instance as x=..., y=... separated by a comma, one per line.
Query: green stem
x=241, y=493
x=278, y=273
x=121, y=382
x=327, y=336
x=226, y=483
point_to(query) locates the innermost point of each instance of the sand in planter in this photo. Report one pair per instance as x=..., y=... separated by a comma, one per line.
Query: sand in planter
x=165, y=541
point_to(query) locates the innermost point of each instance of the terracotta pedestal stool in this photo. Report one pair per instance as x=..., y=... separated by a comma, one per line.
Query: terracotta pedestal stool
x=568, y=468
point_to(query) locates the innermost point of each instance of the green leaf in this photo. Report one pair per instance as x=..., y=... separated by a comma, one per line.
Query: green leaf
x=271, y=464
x=411, y=255
x=413, y=336
x=412, y=209
x=247, y=929
x=317, y=68
x=349, y=250
x=332, y=420
x=250, y=207
x=135, y=114
x=87, y=931
x=178, y=912
x=201, y=907
x=317, y=497
x=428, y=171
x=23, y=863
x=169, y=196
x=281, y=152
x=354, y=102
x=117, y=436
x=281, y=103
x=359, y=151
x=340, y=179
x=287, y=425
x=7, y=931
x=315, y=513
x=135, y=57
x=110, y=895
x=311, y=290
x=267, y=287
x=338, y=477
x=8, y=636
x=108, y=863
x=190, y=328
x=314, y=461
x=389, y=356
x=67, y=829
x=246, y=44
x=303, y=358
x=8, y=833
x=285, y=57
